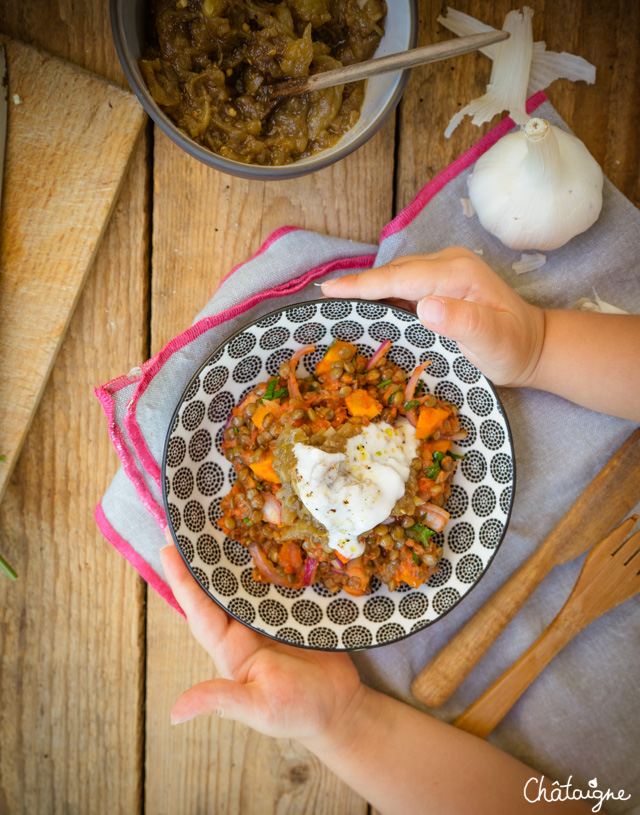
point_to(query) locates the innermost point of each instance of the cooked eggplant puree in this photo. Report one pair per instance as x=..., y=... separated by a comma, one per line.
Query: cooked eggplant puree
x=209, y=62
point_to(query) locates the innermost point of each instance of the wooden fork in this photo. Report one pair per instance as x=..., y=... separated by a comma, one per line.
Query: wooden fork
x=610, y=575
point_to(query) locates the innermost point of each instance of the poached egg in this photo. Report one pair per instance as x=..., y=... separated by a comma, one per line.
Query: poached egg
x=352, y=492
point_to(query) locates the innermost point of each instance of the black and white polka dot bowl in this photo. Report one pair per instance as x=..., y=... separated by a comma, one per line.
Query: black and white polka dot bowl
x=197, y=476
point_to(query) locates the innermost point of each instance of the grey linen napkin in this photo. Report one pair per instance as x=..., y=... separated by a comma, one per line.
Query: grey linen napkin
x=581, y=717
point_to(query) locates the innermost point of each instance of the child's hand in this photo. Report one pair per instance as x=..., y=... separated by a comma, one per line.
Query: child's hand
x=458, y=296
x=277, y=689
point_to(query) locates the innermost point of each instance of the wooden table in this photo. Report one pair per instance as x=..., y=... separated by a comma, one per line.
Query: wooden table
x=91, y=660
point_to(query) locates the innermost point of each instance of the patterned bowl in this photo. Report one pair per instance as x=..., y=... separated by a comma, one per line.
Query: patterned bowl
x=197, y=476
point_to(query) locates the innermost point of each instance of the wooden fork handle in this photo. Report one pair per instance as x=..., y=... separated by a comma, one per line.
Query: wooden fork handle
x=577, y=612
x=588, y=519
x=485, y=713
x=435, y=683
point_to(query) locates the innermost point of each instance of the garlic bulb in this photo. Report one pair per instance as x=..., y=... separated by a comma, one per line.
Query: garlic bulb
x=537, y=188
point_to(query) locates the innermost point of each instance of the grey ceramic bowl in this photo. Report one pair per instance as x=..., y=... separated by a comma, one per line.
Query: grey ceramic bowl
x=382, y=96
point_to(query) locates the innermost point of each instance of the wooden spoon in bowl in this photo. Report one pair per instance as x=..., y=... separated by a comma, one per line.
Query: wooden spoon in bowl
x=278, y=91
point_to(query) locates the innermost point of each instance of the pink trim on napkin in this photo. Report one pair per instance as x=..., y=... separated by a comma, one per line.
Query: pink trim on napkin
x=464, y=161
x=127, y=551
x=128, y=462
x=154, y=365
x=277, y=233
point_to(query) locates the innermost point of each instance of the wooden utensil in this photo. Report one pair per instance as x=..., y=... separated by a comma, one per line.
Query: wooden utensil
x=278, y=91
x=610, y=575
x=69, y=140
x=608, y=498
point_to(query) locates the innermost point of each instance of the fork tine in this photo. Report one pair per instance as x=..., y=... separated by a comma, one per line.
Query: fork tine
x=631, y=557
x=634, y=537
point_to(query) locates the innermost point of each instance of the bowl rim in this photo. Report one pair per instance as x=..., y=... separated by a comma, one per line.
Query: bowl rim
x=174, y=536
x=237, y=168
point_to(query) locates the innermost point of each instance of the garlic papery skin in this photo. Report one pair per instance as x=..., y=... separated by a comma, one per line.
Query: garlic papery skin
x=507, y=88
x=537, y=188
x=546, y=66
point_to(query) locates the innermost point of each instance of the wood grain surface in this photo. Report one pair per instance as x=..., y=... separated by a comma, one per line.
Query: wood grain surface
x=70, y=137
x=90, y=661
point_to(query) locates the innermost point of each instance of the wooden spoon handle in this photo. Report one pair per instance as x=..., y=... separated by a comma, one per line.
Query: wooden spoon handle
x=437, y=681
x=585, y=523
x=382, y=65
x=485, y=713
x=490, y=708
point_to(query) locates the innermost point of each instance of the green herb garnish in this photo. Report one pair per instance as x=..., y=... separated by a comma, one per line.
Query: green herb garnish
x=432, y=471
x=385, y=383
x=390, y=399
x=235, y=430
x=420, y=533
x=416, y=559
x=271, y=392
x=412, y=404
x=246, y=520
x=3, y=458
x=7, y=569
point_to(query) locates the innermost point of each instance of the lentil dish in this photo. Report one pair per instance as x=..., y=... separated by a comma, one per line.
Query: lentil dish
x=209, y=63
x=348, y=395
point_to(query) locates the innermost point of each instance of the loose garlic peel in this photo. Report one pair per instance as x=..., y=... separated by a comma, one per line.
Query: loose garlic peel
x=520, y=67
x=537, y=188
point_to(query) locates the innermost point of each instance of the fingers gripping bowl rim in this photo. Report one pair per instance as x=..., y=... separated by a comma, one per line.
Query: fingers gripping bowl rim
x=197, y=476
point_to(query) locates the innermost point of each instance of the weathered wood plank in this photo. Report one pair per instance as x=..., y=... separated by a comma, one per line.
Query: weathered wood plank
x=71, y=627
x=68, y=149
x=219, y=766
x=204, y=222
